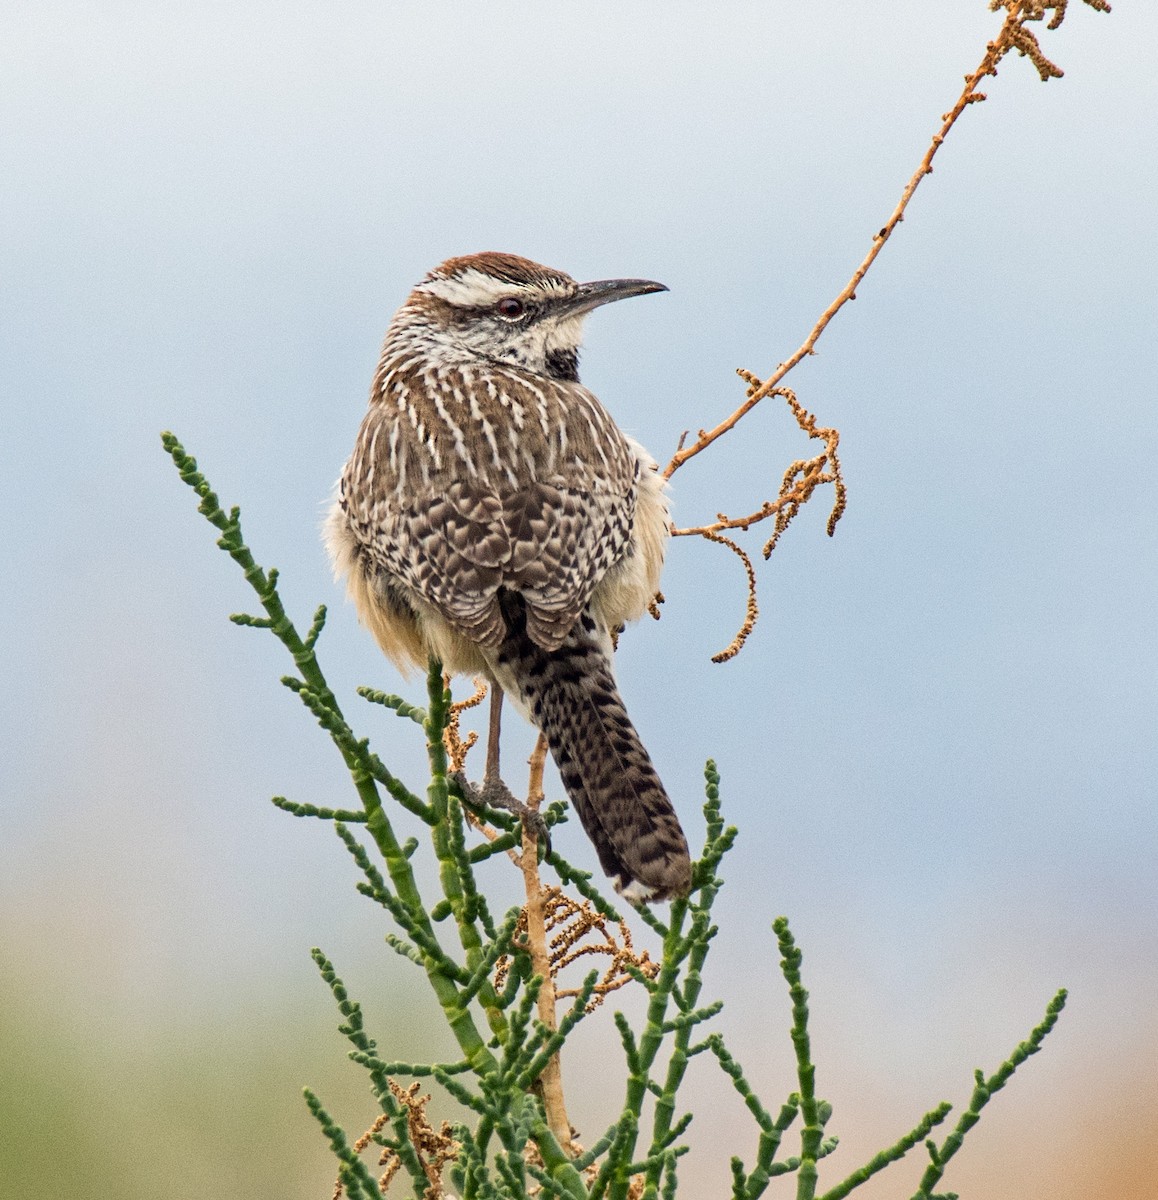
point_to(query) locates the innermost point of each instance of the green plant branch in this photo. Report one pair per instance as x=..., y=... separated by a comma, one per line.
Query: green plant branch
x=983, y=1091
x=364, y=768
x=502, y=843
x=811, y=1111
x=397, y=703
x=455, y=874
x=558, y=1166
x=497, y=1078
x=354, y=1172
x=354, y=1030
x=346, y=815
x=357, y=750
x=748, y=1186
x=416, y=1070
x=890, y=1155
x=580, y=880
x=534, y=1060
x=416, y=929
x=718, y=842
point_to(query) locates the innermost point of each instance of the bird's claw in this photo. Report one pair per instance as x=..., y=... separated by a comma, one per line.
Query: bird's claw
x=494, y=793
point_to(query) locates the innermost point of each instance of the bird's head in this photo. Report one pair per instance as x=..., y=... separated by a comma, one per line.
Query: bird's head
x=507, y=309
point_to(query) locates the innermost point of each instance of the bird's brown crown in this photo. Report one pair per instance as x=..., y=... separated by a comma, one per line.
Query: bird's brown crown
x=509, y=268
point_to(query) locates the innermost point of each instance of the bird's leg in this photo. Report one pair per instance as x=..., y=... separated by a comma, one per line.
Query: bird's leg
x=492, y=778
x=494, y=793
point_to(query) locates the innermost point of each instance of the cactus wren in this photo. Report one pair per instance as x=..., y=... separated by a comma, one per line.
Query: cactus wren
x=493, y=515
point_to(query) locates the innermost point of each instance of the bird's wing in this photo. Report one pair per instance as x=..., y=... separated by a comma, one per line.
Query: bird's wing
x=532, y=490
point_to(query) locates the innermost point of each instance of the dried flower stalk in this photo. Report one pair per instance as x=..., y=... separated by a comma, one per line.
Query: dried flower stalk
x=457, y=747
x=804, y=476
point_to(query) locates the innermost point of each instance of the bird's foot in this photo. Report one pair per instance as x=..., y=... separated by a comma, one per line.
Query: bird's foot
x=494, y=793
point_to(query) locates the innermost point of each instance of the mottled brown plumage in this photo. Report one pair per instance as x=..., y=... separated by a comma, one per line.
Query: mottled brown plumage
x=494, y=515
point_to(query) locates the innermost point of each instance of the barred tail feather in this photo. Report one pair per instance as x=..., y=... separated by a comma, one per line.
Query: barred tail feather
x=571, y=696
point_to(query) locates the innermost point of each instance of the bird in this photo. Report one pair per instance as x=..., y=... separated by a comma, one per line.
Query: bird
x=494, y=516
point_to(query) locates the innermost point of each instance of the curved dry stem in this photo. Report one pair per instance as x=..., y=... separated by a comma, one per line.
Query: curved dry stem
x=752, y=611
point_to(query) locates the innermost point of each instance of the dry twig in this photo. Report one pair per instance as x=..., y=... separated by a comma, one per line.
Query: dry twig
x=804, y=476
x=583, y=932
x=550, y=1082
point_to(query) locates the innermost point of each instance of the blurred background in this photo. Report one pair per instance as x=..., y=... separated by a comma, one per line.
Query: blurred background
x=939, y=743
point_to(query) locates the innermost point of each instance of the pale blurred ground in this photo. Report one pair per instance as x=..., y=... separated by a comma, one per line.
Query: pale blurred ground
x=940, y=742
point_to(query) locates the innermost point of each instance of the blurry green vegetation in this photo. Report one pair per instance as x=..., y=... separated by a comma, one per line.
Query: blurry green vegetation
x=175, y=1112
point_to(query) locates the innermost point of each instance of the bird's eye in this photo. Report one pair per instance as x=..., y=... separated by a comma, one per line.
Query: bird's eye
x=510, y=307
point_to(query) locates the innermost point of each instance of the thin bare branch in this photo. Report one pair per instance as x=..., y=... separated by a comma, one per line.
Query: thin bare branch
x=804, y=476
x=1012, y=36
x=550, y=1082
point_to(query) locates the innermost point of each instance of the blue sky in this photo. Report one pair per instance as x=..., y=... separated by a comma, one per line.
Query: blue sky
x=939, y=743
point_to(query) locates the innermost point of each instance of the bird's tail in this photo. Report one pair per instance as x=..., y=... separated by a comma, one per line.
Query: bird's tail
x=570, y=694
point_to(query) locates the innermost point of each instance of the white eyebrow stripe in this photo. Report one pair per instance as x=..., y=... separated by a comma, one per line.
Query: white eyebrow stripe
x=473, y=288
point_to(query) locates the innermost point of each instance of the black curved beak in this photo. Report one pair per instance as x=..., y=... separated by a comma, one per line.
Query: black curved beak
x=604, y=291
